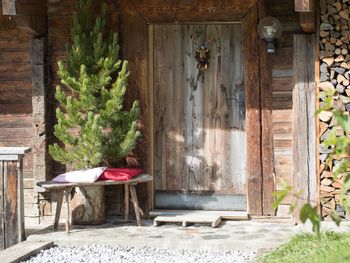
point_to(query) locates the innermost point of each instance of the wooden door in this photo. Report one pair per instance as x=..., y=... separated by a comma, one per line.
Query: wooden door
x=199, y=118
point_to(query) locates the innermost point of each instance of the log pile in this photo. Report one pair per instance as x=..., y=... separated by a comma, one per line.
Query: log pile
x=335, y=75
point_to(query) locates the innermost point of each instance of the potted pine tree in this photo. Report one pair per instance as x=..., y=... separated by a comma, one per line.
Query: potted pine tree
x=93, y=128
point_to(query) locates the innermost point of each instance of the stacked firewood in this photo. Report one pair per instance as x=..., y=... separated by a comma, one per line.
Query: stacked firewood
x=334, y=75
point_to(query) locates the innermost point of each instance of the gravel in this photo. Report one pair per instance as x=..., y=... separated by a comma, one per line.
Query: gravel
x=106, y=253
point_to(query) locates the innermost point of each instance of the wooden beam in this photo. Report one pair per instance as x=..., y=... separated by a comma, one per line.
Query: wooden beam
x=304, y=5
x=268, y=186
x=253, y=121
x=39, y=142
x=134, y=49
x=307, y=21
x=9, y=7
x=160, y=11
x=304, y=122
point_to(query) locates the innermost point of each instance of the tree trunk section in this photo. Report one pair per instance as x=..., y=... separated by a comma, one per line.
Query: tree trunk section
x=88, y=205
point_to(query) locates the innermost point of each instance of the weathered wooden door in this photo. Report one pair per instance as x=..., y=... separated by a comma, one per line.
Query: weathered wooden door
x=199, y=118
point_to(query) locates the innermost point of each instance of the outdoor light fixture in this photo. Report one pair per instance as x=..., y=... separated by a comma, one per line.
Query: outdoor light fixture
x=269, y=29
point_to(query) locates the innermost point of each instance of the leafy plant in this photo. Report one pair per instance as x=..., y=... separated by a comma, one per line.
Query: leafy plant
x=92, y=126
x=340, y=150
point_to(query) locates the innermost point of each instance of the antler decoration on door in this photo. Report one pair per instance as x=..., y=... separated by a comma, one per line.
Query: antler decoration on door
x=202, y=53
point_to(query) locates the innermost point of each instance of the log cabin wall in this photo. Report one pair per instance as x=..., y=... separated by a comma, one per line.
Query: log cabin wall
x=16, y=114
x=282, y=88
x=15, y=47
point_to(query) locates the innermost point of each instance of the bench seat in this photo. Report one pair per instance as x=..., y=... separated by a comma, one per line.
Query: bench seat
x=64, y=191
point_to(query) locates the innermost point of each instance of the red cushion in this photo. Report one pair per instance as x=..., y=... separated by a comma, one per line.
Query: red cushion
x=120, y=174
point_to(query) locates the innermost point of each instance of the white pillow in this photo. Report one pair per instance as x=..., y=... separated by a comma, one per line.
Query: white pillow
x=80, y=176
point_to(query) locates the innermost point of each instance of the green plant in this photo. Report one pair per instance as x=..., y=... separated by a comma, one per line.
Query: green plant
x=329, y=247
x=92, y=126
x=340, y=149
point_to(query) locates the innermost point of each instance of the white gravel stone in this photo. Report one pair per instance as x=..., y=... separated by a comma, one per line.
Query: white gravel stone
x=106, y=253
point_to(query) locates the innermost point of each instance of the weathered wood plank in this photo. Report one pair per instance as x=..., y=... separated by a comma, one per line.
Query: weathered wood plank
x=10, y=203
x=158, y=11
x=39, y=121
x=268, y=182
x=169, y=108
x=304, y=124
x=2, y=196
x=253, y=122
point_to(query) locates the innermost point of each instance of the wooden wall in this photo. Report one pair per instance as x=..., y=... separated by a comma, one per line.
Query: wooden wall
x=16, y=100
x=282, y=88
x=16, y=90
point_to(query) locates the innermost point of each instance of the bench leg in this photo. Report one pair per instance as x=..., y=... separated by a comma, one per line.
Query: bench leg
x=126, y=202
x=66, y=193
x=136, y=204
x=58, y=209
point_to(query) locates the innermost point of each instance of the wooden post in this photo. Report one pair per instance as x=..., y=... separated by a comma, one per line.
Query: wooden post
x=136, y=204
x=66, y=193
x=40, y=153
x=126, y=202
x=253, y=120
x=58, y=209
x=304, y=122
x=11, y=196
x=268, y=184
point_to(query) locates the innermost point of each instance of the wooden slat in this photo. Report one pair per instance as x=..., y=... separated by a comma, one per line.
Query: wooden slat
x=2, y=196
x=10, y=203
x=304, y=130
x=212, y=219
x=169, y=107
x=252, y=94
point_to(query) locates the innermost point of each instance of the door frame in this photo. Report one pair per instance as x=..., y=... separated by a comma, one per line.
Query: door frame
x=258, y=102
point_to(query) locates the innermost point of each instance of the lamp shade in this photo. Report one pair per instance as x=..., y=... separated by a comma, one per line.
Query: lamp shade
x=270, y=28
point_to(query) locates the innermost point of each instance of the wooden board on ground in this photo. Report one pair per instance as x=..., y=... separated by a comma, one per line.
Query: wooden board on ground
x=214, y=220
x=196, y=217
x=229, y=215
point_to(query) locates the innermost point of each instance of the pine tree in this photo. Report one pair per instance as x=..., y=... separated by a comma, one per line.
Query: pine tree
x=92, y=126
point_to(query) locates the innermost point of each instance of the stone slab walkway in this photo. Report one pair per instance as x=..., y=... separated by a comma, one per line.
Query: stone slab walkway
x=227, y=236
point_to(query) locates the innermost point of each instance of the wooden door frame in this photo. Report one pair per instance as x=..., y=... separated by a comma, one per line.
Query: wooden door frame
x=258, y=100
x=258, y=88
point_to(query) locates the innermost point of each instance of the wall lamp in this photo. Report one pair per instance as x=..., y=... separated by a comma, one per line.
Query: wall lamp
x=269, y=29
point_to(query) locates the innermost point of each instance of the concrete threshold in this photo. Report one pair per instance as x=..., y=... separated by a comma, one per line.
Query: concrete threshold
x=23, y=251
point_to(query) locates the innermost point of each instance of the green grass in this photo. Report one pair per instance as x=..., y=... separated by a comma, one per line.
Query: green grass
x=306, y=248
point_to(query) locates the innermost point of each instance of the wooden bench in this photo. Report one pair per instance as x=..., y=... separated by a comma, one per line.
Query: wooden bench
x=64, y=191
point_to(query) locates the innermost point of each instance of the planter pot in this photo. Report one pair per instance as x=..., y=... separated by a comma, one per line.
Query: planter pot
x=88, y=206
